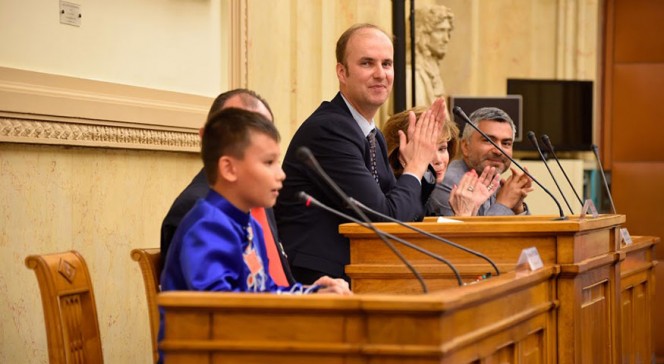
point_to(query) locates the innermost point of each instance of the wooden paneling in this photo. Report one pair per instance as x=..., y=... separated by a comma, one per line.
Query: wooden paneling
x=508, y=319
x=595, y=314
x=638, y=189
x=637, y=293
x=638, y=29
x=637, y=92
x=635, y=301
x=632, y=149
x=600, y=278
x=587, y=317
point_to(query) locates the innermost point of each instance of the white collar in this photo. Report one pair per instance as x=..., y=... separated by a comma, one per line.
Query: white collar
x=365, y=125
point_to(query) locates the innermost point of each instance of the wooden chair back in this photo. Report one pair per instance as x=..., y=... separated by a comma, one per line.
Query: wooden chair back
x=150, y=263
x=70, y=313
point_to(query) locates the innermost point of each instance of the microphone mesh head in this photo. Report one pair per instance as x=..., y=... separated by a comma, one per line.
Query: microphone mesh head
x=533, y=139
x=303, y=154
x=457, y=110
x=302, y=196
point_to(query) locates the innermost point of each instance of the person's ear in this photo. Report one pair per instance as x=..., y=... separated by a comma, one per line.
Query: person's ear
x=200, y=132
x=463, y=143
x=227, y=168
x=341, y=73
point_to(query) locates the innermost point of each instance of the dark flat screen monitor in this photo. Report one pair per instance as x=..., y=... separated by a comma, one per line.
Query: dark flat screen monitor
x=509, y=104
x=563, y=110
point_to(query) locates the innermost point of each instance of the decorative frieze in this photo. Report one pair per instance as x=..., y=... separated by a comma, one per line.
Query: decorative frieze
x=15, y=130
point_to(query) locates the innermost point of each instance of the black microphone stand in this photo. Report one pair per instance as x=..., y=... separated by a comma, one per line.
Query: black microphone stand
x=308, y=199
x=601, y=169
x=533, y=141
x=547, y=142
x=426, y=233
x=305, y=155
x=459, y=112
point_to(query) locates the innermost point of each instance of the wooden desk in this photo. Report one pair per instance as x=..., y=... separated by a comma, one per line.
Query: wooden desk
x=505, y=319
x=374, y=268
x=589, y=286
x=637, y=292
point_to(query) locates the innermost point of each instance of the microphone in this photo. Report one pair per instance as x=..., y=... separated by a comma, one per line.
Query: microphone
x=305, y=155
x=459, y=112
x=426, y=233
x=309, y=200
x=601, y=169
x=547, y=142
x=533, y=141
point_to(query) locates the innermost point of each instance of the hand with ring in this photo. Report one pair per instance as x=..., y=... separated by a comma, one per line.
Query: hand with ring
x=473, y=191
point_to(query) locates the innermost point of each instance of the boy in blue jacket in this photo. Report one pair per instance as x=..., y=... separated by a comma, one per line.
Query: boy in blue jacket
x=218, y=246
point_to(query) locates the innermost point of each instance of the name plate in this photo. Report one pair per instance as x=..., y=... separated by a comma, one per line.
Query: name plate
x=625, y=237
x=529, y=260
x=589, y=208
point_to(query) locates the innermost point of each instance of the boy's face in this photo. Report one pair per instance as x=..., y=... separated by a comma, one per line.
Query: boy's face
x=259, y=174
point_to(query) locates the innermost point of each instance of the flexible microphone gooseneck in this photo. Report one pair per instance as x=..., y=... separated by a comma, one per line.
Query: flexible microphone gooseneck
x=547, y=142
x=533, y=141
x=459, y=112
x=426, y=233
x=304, y=154
x=308, y=200
x=601, y=169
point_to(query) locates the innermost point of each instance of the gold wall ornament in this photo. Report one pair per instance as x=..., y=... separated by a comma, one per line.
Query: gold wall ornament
x=15, y=130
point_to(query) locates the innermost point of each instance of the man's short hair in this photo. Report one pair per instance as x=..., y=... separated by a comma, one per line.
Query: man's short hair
x=249, y=98
x=342, y=43
x=228, y=133
x=487, y=113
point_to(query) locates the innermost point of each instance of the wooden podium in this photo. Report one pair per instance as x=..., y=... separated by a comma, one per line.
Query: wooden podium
x=604, y=289
x=506, y=319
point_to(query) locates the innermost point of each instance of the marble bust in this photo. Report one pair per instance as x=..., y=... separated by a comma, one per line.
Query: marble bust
x=433, y=28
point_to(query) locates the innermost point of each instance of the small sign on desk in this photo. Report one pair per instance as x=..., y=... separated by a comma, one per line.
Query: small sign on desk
x=625, y=238
x=529, y=261
x=589, y=209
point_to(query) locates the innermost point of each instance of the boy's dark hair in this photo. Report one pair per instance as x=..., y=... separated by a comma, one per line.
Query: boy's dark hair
x=250, y=99
x=228, y=132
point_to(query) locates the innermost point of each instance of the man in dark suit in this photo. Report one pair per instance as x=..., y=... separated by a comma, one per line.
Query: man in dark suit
x=339, y=134
x=198, y=188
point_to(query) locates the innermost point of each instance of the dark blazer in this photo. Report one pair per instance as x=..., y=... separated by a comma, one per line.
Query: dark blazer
x=198, y=188
x=311, y=236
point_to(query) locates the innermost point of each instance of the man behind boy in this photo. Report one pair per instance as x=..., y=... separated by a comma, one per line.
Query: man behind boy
x=218, y=245
x=248, y=100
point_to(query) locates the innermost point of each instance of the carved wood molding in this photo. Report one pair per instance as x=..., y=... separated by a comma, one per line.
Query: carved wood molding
x=41, y=108
x=14, y=130
x=238, y=41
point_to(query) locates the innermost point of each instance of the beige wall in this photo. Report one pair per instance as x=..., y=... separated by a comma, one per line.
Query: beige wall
x=170, y=45
x=291, y=56
x=101, y=202
x=104, y=202
x=500, y=39
x=493, y=40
